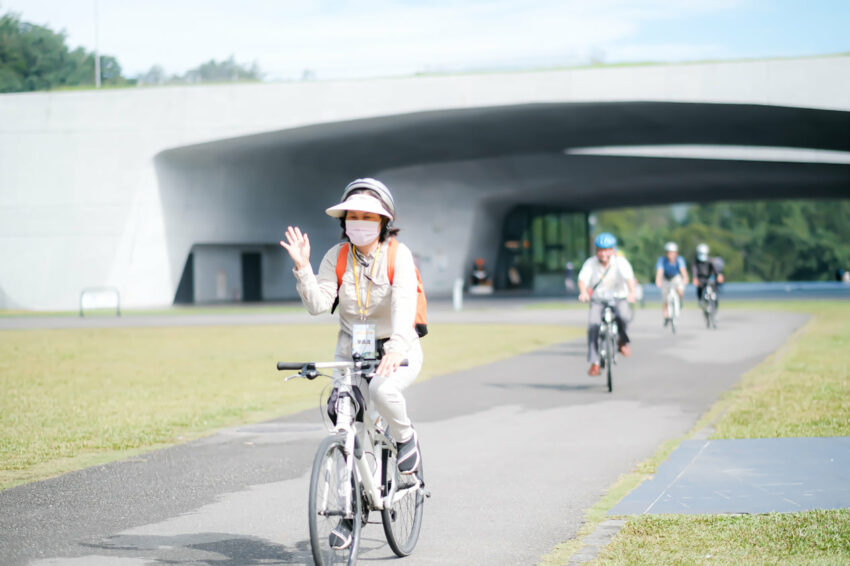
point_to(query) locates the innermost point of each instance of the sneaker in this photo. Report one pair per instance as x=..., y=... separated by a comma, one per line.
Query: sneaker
x=666, y=321
x=340, y=537
x=408, y=455
x=594, y=370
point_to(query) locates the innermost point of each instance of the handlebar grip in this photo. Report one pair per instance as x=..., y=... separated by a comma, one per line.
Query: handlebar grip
x=290, y=365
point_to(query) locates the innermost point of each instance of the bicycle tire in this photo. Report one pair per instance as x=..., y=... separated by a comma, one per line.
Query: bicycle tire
x=674, y=313
x=403, y=522
x=325, y=480
x=609, y=363
x=600, y=345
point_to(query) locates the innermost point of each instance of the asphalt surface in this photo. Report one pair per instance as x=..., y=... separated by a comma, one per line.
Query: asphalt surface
x=515, y=452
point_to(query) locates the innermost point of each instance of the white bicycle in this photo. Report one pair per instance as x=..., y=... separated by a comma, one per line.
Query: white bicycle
x=355, y=471
x=674, y=307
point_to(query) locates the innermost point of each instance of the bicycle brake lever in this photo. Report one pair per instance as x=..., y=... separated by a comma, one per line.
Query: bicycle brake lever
x=293, y=376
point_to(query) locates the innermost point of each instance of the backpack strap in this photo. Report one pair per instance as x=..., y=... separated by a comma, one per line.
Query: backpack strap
x=392, y=251
x=341, y=262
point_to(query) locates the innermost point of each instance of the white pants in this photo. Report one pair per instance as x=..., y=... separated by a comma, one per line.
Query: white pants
x=677, y=282
x=385, y=393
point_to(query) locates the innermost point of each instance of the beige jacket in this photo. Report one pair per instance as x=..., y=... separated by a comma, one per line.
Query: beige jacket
x=392, y=308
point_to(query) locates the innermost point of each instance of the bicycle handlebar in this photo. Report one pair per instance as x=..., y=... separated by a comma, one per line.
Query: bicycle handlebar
x=300, y=366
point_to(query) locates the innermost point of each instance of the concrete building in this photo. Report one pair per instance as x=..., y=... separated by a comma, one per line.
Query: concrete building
x=183, y=193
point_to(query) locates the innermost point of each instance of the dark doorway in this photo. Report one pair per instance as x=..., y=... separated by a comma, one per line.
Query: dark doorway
x=185, y=294
x=537, y=243
x=252, y=277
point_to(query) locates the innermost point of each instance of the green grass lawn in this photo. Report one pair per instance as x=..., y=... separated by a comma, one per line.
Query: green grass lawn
x=813, y=537
x=801, y=390
x=79, y=397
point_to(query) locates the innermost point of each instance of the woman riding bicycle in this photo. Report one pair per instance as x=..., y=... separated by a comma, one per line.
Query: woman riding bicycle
x=375, y=314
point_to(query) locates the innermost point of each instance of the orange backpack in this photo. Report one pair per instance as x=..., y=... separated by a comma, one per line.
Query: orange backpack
x=420, y=323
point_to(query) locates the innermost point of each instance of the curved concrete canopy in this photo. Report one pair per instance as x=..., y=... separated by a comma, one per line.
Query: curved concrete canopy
x=460, y=171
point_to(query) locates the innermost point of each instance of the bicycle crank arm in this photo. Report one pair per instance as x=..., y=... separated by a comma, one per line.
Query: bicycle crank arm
x=334, y=514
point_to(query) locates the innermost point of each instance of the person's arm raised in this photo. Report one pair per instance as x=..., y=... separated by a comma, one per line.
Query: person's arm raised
x=298, y=246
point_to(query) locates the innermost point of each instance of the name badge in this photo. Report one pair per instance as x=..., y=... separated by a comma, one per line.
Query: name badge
x=363, y=340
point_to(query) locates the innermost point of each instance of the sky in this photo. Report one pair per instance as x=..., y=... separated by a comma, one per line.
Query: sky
x=333, y=39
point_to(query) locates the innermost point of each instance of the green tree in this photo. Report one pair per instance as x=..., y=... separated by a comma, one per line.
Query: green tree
x=33, y=57
x=220, y=72
x=780, y=240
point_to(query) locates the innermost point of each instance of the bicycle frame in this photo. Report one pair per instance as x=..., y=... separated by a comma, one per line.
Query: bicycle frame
x=609, y=321
x=609, y=325
x=356, y=435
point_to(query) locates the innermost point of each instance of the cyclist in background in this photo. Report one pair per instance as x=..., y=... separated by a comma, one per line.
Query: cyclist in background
x=671, y=270
x=704, y=269
x=605, y=277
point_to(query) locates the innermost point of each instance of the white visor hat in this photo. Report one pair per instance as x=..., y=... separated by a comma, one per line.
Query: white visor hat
x=361, y=202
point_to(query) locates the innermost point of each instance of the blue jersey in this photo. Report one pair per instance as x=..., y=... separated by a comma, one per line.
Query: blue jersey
x=671, y=270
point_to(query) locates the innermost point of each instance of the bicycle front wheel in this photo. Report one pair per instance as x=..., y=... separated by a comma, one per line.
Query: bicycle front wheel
x=334, y=497
x=674, y=313
x=609, y=362
x=403, y=521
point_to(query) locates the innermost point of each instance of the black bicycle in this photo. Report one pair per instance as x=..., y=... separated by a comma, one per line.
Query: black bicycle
x=608, y=339
x=709, y=304
x=355, y=470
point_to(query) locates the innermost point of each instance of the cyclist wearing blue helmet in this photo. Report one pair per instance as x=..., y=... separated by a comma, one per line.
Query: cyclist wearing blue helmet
x=671, y=270
x=606, y=277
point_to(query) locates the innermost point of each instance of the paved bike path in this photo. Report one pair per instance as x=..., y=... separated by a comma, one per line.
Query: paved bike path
x=514, y=453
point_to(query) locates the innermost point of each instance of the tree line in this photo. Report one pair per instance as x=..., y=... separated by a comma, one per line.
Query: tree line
x=780, y=240
x=34, y=57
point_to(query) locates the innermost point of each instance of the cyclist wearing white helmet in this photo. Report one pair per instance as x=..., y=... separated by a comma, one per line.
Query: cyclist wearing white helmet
x=671, y=270
x=376, y=310
x=606, y=276
x=704, y=269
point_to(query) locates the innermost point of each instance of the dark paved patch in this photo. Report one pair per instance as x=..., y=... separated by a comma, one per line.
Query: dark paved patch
x=747, y=476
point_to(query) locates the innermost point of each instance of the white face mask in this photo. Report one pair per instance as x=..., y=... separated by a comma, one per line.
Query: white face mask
x=362, y=232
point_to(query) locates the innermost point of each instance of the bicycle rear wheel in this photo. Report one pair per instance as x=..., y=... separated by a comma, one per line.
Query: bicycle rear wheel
x=403, y=521
x=609, y=359
x=331, y=487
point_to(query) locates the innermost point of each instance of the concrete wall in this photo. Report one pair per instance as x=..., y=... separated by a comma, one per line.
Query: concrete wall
x=83, y=203
x=218, y=272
